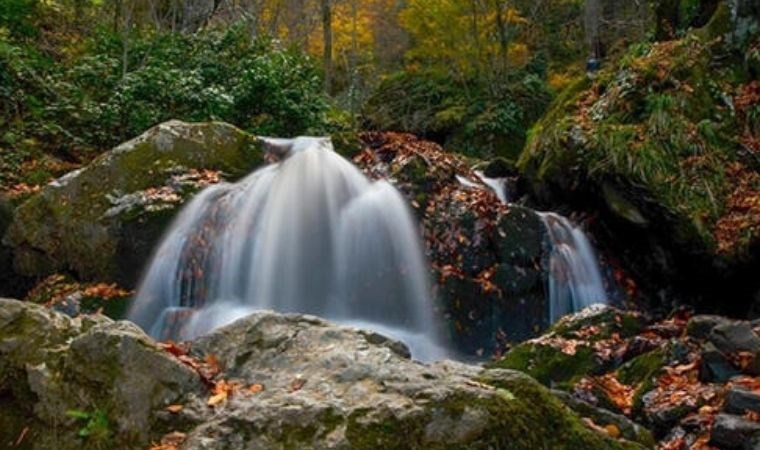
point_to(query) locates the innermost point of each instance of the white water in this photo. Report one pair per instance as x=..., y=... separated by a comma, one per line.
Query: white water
x=574, y=279
x=309, y=234
x=497, y=185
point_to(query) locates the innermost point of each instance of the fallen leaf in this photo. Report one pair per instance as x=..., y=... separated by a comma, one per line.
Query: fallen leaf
x=174, y=408
x=297, y=384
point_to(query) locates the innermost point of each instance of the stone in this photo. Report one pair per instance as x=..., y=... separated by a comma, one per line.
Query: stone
x=700, y=326
x=629, y=429
x=323, y=386
x=740, y=401
x=714, y=365
x=487, y=258
x=102, y=222
x=733, y=432
x=733, y=337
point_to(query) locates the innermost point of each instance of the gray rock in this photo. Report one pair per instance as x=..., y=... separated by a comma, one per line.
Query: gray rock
x=734, y=337
x=324, y=387
x=734, y=432
x=103, y=221
x=629, y=429
x=714, y=365
x=739, y=401
x=51, y=365
x=700, y=327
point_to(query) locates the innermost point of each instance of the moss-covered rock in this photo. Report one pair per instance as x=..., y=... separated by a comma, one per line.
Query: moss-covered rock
x=569, y=349
x=99, y=382
x=102, y=222
x=58, y=372
x=552, y=366
x=652, y=145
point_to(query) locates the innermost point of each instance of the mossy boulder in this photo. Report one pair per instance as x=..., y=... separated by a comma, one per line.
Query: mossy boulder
x=56, y=371
x=569, y=349
x=356, y=392
x=99, y=382
x=659, y=145
x=103, y=221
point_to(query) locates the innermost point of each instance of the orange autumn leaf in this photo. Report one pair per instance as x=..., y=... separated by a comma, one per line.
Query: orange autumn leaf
x=174, y=408
x=170, y=441
x=221, y=391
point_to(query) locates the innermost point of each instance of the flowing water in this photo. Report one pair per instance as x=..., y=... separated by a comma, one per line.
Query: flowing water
x=574, y=278
x=575, y=281
x=308, y=234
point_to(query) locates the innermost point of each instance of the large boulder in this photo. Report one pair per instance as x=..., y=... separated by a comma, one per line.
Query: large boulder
x=662, y=146
x=91, y=379
x=487, y=257
x=288, y=381
x=103, y=221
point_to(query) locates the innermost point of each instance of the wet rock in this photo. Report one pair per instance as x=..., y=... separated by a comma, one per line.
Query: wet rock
x=486, y=255
x=733, y=337
x=740, y=401
x=715, y=366
x=320, y=386
x=103, y=221
x=629, y=429
x=566, y=353
x=734, y=432
x=700, y=326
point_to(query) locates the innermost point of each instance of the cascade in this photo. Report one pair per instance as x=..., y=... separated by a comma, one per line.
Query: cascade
x=574, y=278
x=575, y=281
x=306, y=234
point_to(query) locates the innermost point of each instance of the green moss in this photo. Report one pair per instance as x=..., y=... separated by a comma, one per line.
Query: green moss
x=66, y=227
x=607, y=322
x=641, y=368
x=532, y=405
x=655, y=130
x=549, y=365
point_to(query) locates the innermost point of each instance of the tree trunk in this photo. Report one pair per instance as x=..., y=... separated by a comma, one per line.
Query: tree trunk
x=328, y=44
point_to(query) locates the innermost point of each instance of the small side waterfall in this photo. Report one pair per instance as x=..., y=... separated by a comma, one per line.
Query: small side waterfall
x=574, y=278
x=498, y=185
x=308, y=234
x=575, y=281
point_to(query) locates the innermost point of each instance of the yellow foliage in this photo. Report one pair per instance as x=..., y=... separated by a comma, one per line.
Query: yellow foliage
x=558, y=81
x=518, y=54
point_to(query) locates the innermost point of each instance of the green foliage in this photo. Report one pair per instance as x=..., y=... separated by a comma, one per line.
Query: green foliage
x=89, y=102
x=467, y=117
x=95, y=425
x=660, y=121
x=17, y=16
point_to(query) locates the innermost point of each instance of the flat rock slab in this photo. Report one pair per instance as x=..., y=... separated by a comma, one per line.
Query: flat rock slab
x=321, y=386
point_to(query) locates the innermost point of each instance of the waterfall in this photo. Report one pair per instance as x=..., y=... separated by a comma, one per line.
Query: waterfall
x=575, y=281
x=497, y=185
x=307, y=234
x=574, y=278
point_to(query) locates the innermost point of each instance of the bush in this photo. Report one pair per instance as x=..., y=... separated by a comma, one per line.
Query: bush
x=88, y=103
x=468, y=117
